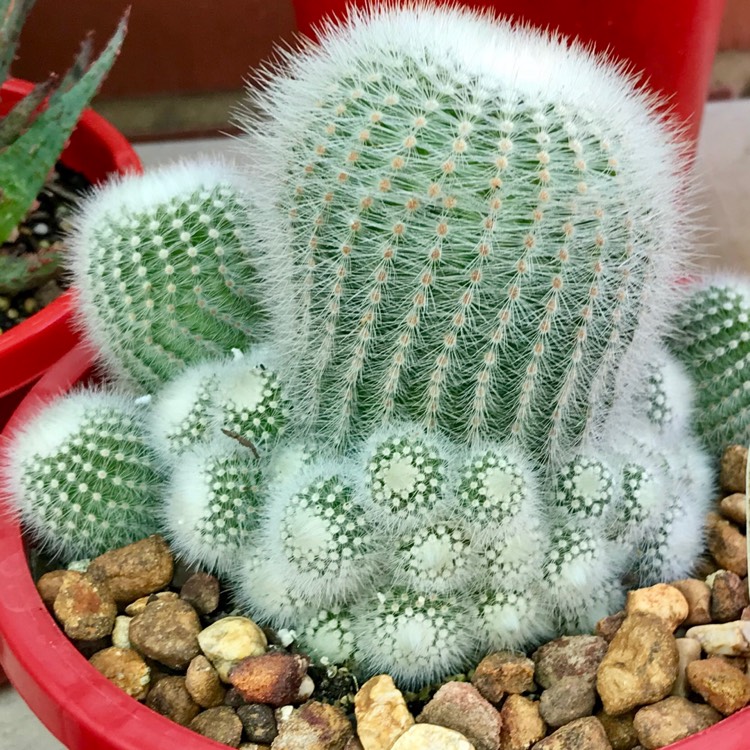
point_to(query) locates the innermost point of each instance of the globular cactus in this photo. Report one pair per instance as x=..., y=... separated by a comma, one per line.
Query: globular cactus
x=82, y=477
x=511, y=618
x=319, y=537
x=212, y=507
x=406, y=475
x=162, y=274
x=584, y=488
x=457, y=225
x=415, y=638
x=712, y=339
x=329, y=635
x=237, y=398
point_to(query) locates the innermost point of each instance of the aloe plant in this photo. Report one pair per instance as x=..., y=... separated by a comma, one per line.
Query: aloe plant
x=34, y=133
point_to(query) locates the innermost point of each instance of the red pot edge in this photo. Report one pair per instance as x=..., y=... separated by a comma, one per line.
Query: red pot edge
x=71, y=698
x=51, y=330
x=69, y=689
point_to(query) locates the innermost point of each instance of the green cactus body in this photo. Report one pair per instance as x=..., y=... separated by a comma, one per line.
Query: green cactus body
x=83, y=477
x=712, y=339
x=212, y=506
x=162, y=274
x=466, y=248
x=584, y=488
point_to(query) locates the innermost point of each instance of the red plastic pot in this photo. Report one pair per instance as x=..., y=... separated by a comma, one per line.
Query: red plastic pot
x=672, y=41
x=96, y=149
x=82, y=709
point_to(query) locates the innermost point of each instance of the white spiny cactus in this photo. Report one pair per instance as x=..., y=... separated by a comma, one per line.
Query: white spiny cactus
x=415, y=638
x=407, y=475
x=239, y=395
x=81, y=475
x=288, y=459
x=328, y=634
x=319, y=537
x=212, y=504
x=163, y=278
x=584, y=487
x=463, y=223
x=712, y=339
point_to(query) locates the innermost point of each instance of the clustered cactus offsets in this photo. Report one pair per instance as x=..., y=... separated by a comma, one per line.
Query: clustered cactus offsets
x=419, y=405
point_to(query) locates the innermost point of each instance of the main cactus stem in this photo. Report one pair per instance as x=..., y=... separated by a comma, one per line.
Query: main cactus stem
x=467, y=248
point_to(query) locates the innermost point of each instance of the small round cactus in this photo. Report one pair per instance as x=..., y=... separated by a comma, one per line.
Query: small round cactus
x=319, y=536
x=511, y=618
x=407, y=475
x=236, y=398
x=584, y=487
x=462, y=228
x=712, y=339
x=328, y=635
x=162, y=275
x=82, y=477
x=415, y=638
x=212, y=504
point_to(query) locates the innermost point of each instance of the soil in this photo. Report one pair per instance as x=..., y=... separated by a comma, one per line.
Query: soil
x=44, y=227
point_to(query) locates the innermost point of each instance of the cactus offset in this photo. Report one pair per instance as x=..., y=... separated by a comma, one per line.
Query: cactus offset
x=460, y=228
x=162, y=274
x=82, y=477
x=712, y=340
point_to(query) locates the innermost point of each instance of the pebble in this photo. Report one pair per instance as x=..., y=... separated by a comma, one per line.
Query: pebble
x=581, y=734
x=729, y=596
x=170, y=698
x=619, y=730
x=381, y=713
x=203, y=683
x=424, y=736
x=353, y=744
x=504, y=672
x=125, y=668
x=202, y=591
x=608, y=626
x=121, y=632
x=733, y=507
x=570, y=656
x=522, y=723
x=317, y=726
x=671, y=720
x=461, y=707
x=259, y=723
x=85, y=608
x=568, y=699
x=233, y=698
x=726, y=639
x=662, y=601
x=689, y=650
x=276, y=679
x=136, y=607
x=230, y=640
x=727, y=544
x=720, y=684
x=698, y=596
x=137, y=569
x=640, y=666
x=220, y=724
x=49, y=584
x=167, y=631
x=733, y=468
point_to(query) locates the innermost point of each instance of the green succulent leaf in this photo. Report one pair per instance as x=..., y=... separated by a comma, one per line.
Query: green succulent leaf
x=13, y=13
x=25, y=163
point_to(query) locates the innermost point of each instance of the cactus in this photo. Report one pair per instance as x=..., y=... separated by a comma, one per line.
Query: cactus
x=329, y=635
x=415, y=638
x=82, y=477
x=162, y=275
x=712, y=339
x=232, y=399
x=461, y=229
x=31, y=139
x=211, y=505
x=320, y=538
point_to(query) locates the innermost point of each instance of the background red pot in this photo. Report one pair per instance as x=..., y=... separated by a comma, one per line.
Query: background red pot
x=79, y=706
x=672, y=41
x=96, y=149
